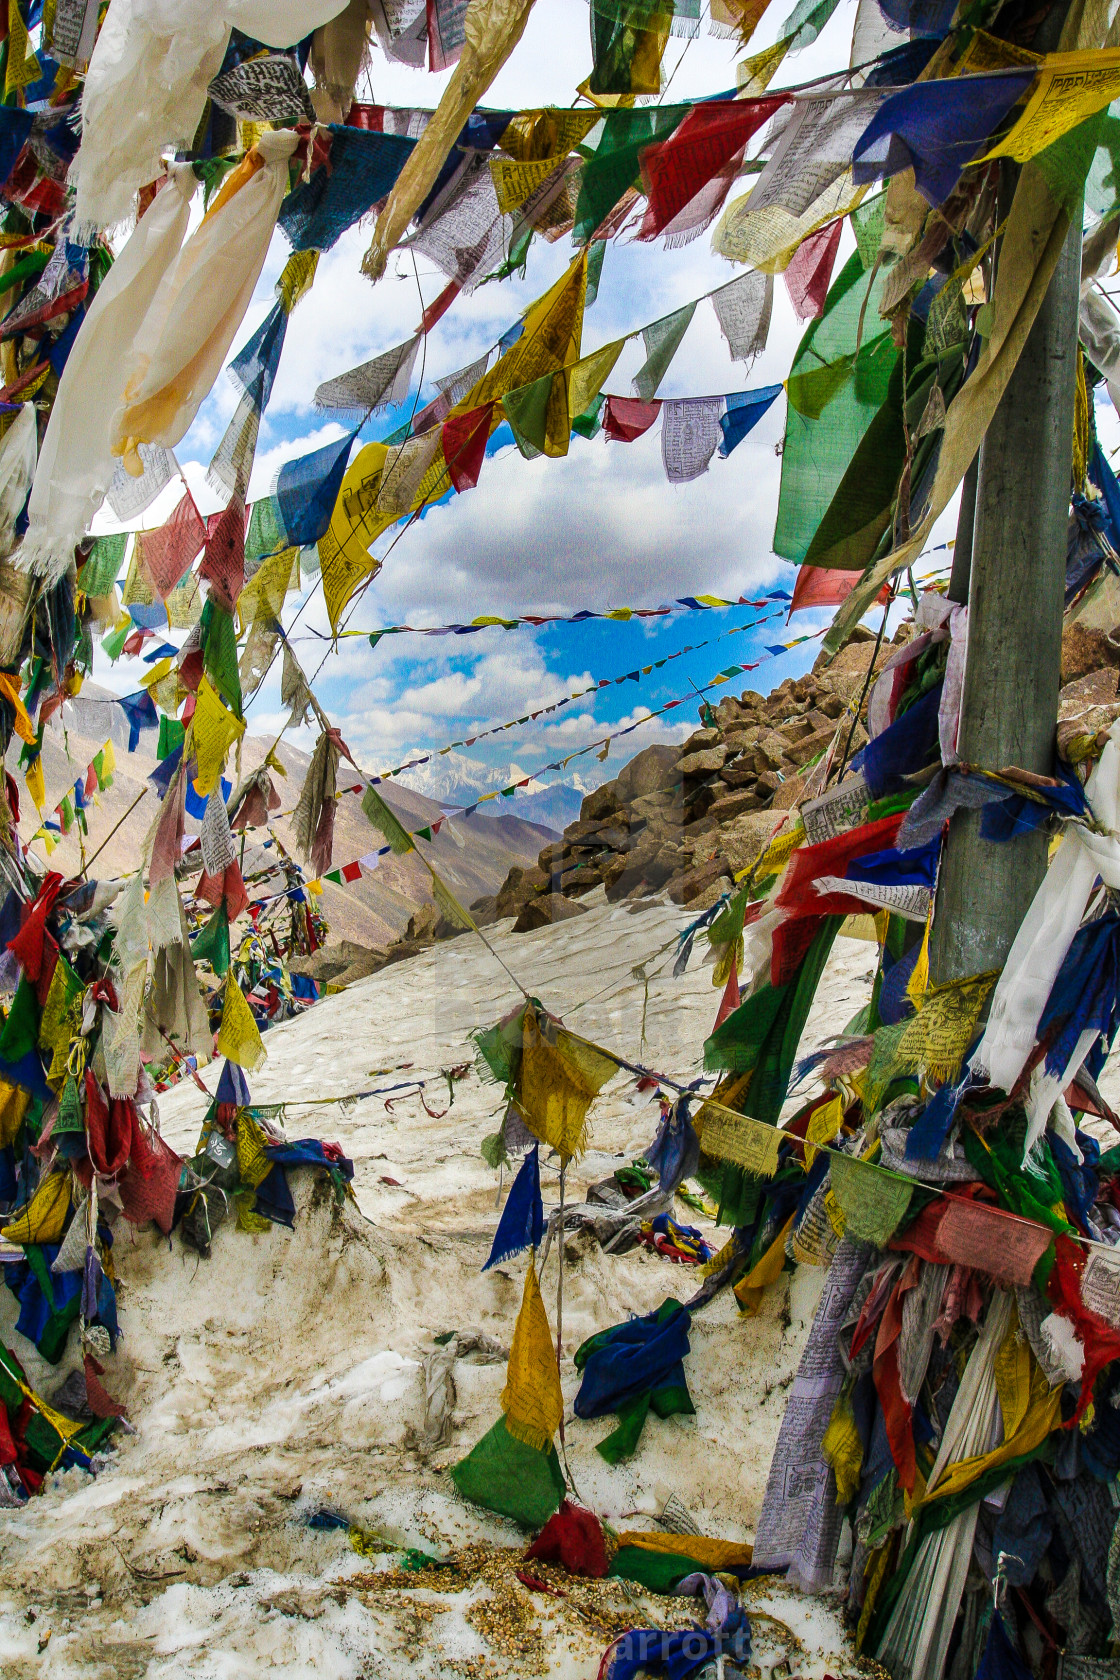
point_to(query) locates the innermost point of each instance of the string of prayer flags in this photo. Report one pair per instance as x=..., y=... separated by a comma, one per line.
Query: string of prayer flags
x=746, y=1143
x=531, y=1399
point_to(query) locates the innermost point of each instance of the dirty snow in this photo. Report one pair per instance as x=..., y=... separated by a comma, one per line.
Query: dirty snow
x=285, y=1373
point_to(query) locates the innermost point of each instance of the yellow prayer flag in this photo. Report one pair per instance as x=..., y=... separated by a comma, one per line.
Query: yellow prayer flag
x=754, y=75
x=296, y=277
x=14, y=1103
x=738, y=17
x=1013, y=1376
x=1068, y=88
x=587, y=379
x=823, y=1127
x=159, y=670
x=22, y=67
x=515, y=182
x=842, y=1448
x=355, y=522
x=550, y=340
x=532, y=1399
x=108, y=760
x=44, y=1218
x=263, y=595
x=213, y=730
x=9, y=688
x=765, y=1271
x=36, y=786
x=558, y=1079
x=238, y=1037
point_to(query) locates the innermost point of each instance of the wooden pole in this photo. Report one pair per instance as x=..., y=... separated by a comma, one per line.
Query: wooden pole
x=1015, y=602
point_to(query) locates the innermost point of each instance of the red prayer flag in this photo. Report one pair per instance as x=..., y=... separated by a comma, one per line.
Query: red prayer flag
x=464, y=439
x=167, y=554
x=676, y=169
x=438, y=309
x=627, y=418
x=223, y=564
x=351, y=872
x=809, y=273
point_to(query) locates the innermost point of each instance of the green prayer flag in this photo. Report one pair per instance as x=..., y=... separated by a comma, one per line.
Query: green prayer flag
x=219, y=653
x=20, y=1032
x=614, y=166
x=113, y=644
x=526, y=410
x=211, y=944
x=761, y=1036
x=386, y=823
x=172, y=734
x=266, y=533
x=103, y=567
x=506, y=1475
x=837, y=385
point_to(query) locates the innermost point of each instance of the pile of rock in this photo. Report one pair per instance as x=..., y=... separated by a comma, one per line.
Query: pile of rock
x=685, y=819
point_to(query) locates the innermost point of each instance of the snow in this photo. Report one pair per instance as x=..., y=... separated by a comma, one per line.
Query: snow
x=286, y=1373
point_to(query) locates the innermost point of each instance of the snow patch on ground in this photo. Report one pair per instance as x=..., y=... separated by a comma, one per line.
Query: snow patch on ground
x=286, y=1373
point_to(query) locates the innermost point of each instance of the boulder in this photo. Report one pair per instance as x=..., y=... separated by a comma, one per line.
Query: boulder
x=582, y=879
x=483, y=910
x=728, y=712
x=704, y=763
x=739, y=775
x=790, y=793
x=769, y=751
x=818, y=741
x=701, y=739
x=745, y=839
x=548, y=908
x=734, y=804
x=602, y=803
x=519, y=886
x=422, y=923
x=550, y=856
x=648, y=772
x=1085, y=650
x=693, y=882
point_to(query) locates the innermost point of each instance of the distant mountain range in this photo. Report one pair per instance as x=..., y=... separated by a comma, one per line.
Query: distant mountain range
x=455, y=779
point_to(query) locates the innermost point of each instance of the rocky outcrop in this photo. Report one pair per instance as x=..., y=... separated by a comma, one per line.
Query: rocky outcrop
x=684, y=820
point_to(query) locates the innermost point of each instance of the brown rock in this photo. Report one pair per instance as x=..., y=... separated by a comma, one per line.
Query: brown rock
x=751, y=699
x=736, y=776
x=550, y=856
x=1097, y=688
x=543, y=911
x=769, y=752
x=734, y=804
x=700, y=740
x=703, y=763
x=484, y=912
x=1084, y=651
x=665, y=806
x=789, y=794
x=648, y=772
x=602, y=803
x=519, y=886
x=583, y=879
x=728, y=711
x=769, y=782
x=690, y=885
x=830, y=705
x=795, y=729
x=802, y=751
x=743, y=840
x=422, y=923
x=611, y=870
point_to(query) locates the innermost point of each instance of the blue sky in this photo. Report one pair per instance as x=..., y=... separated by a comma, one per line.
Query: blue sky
x=598, y=529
